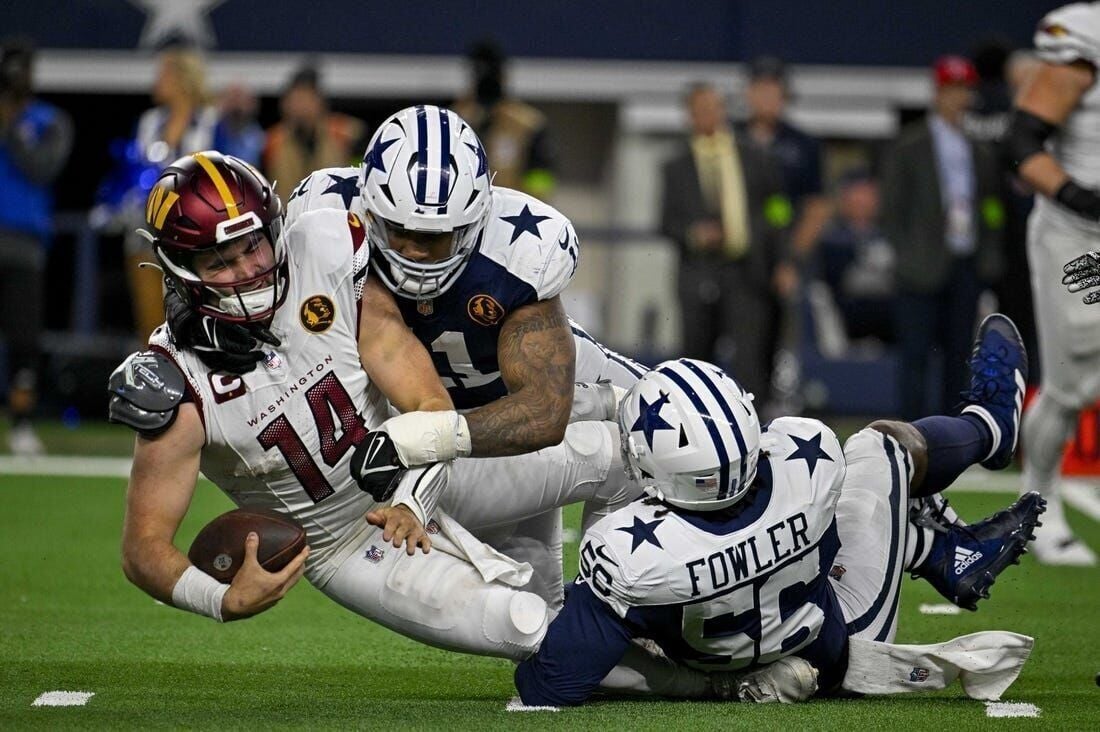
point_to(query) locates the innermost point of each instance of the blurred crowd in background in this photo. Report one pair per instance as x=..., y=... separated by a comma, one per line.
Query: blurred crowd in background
x=792, y=266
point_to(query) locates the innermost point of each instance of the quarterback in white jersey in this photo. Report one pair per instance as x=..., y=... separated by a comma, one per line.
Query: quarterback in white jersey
x=1054, y=142
x=281, y=434
x=762, y=544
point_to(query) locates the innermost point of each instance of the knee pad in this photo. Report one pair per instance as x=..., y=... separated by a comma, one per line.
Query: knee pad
x=516, y=621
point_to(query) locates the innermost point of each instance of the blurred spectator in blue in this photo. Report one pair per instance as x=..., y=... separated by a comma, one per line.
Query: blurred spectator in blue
x=799, y=155
x=942, y=211
x=238, y=133
x=723, y=206
x=309, y=136
x=181, y=122
x=857, y=262
x=516, y=137
x=35, y=140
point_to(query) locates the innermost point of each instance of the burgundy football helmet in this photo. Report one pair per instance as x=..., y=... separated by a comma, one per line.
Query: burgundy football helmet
x=202, y=203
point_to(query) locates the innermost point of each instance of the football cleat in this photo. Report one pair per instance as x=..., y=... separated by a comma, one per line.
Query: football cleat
x=964, y=561
x=998, y=378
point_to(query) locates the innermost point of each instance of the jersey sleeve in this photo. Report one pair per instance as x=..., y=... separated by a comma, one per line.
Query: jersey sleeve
x=560, y=263
x=336, y=188
x=623, y=576
x=1070, y=33
x=583, y=643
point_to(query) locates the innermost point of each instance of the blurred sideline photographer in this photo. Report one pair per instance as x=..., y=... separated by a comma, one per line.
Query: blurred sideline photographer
x=309, y=136
x=517, y=141
x=35, y=140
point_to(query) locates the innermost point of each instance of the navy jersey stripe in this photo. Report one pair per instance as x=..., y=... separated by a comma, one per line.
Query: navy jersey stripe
x=888, y=584
x=623, y=361
x=719, y=445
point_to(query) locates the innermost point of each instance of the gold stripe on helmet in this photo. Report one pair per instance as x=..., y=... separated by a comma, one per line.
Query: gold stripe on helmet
x=219, y=184
x=152, y=203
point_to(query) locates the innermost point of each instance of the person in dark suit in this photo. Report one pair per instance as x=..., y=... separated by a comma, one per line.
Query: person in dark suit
x=723, y=206
x=943, y=214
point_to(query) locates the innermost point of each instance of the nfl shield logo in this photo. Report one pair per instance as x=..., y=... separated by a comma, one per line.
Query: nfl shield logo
x=424, y=307
x=272, y=361
x=432, y=527
x=918, y=675
x=374, y=554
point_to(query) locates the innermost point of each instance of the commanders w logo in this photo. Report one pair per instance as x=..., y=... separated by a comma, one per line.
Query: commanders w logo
x=158, y=205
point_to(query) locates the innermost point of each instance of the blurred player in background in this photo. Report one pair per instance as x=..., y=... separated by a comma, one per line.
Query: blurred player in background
x=35, y=139
x=759, y=544
x=1054, y=144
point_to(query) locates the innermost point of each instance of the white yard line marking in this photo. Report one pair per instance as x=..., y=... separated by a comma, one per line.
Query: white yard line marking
x=70, y=465
x=941, y=609
x=1011, y=709
x=63, y=699
x=515, y=705
x=1083, y=496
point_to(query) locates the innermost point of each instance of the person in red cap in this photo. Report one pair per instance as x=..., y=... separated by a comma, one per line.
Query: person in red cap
x=943, y=213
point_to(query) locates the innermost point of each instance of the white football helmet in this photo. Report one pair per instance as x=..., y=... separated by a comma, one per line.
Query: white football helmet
x=425, y=171
x=690, y=435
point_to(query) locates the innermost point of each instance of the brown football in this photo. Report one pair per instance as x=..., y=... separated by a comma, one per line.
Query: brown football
x=218, y=549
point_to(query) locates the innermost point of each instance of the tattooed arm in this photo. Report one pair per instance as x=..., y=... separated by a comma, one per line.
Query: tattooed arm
x=537, y=361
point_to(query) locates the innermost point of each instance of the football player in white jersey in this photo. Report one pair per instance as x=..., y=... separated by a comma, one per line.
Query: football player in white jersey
x=760, y=544
x=1054, y=144
x=281, y=433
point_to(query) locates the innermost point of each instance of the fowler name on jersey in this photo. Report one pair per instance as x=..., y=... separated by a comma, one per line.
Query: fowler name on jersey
x=750, y=556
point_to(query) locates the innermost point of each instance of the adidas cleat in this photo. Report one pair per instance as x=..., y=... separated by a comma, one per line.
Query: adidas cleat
x=998, y=378
x=965, y=561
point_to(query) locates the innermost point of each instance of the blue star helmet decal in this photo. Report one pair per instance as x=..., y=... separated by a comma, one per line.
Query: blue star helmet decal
x=642, y=532
x=373, y=159
x=810, y=451
x=347, y=187
x=650, y=419
x=524, y=221
x=482, y=159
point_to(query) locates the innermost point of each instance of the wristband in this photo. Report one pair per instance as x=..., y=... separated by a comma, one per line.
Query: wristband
x=200, y=593
x=1081, y=201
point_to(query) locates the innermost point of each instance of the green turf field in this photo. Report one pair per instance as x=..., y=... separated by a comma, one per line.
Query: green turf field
x=70, y=621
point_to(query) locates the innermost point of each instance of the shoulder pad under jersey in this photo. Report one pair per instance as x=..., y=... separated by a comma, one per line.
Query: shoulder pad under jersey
x=1070, y=33
x=146, y=391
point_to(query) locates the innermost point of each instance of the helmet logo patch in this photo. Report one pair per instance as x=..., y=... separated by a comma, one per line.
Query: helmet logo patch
x=317, y=314
x=484, y=310
x=158, y=205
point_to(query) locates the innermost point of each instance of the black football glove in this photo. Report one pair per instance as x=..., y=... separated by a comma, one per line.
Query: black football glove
x=376, y=466
x=1083, y=273
x=220, y=345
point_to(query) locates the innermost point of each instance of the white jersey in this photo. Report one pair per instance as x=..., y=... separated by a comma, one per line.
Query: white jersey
x=1072, y=33
x=737, y=591
x=281, y=436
